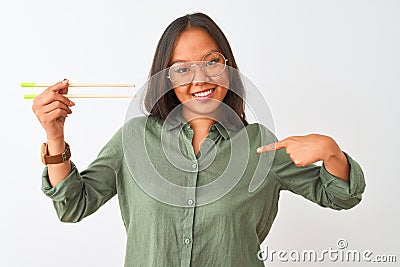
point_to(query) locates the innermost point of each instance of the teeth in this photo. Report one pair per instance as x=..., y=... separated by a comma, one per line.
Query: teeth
x=203, y=94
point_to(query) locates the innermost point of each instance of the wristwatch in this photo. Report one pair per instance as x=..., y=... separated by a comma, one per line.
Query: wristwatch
x=54, y=159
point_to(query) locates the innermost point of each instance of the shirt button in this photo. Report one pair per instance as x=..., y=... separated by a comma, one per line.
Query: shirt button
x=194, y=166
x=190, y=202
x=187, y=241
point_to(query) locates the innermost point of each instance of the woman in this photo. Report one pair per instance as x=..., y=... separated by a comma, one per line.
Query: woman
x=193, y=224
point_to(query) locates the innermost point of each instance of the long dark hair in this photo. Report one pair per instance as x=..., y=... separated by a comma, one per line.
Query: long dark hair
x=159, y=99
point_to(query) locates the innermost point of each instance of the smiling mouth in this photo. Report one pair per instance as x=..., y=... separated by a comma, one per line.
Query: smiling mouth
x=204, y=93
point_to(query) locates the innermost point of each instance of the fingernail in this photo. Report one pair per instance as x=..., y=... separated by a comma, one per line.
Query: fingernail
x=259, y=150
x=71, y=103
x=65, y=81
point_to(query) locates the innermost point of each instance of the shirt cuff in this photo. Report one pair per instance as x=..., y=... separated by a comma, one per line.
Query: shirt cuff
x=342, y=189
x=66, y=188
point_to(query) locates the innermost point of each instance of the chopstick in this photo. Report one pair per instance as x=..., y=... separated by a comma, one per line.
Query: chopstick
x=34, y=85
x=85, y=96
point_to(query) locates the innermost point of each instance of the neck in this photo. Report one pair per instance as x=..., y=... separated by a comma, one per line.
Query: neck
x=198, y=122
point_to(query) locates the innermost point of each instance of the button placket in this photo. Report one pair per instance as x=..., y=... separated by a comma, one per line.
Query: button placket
x=189, y=207
x=188, y=221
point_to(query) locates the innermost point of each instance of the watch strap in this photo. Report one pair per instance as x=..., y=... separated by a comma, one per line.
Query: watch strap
x=55, y=159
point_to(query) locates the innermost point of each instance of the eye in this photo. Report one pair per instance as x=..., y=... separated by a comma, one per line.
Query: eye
x=182, y=70
x=212, y=62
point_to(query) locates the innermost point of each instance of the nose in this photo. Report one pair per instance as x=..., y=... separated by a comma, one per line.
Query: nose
x=199, y=77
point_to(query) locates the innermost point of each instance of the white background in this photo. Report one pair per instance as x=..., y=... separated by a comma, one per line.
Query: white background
x=329, y=67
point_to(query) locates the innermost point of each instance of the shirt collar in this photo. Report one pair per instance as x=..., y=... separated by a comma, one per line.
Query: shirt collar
x=222, y=131
x=226, y=129
x=176, y=121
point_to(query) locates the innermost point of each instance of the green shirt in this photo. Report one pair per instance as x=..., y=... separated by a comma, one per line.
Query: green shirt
x=194, y=229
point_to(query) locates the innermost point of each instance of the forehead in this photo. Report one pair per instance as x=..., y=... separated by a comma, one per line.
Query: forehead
x=193, y=44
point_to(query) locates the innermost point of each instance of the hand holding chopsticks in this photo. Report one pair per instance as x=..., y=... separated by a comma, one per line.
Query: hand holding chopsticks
x=51, y=107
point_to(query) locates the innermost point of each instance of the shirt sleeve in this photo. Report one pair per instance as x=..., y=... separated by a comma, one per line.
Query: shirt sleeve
x=316, y=184
x=81, y=194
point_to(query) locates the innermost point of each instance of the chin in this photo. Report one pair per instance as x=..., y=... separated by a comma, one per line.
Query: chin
x=202, y=107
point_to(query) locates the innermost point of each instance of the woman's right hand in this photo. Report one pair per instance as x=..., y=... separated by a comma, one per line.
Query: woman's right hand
x=52, y=108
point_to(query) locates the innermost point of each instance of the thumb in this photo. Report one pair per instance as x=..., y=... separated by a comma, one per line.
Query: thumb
x=64, y=89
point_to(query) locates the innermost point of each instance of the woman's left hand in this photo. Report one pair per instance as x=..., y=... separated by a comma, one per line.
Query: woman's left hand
x=305, y=150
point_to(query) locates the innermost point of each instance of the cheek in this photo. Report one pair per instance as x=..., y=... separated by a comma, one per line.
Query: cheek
x=181, y=92
x=222, y=80
x=223, y=92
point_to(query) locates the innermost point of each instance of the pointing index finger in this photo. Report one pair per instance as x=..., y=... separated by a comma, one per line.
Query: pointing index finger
x=272, y=146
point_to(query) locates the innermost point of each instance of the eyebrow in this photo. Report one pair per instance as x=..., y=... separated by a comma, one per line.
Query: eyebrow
x=182, y=60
